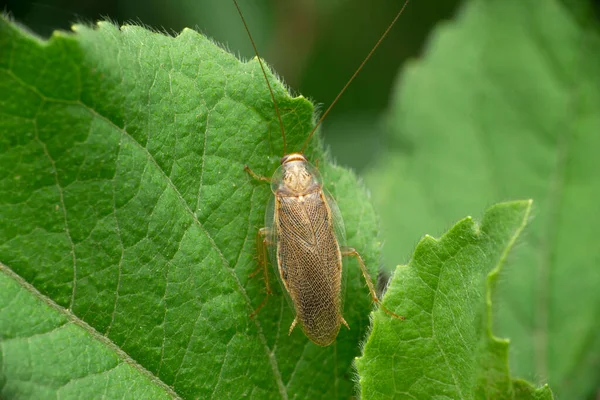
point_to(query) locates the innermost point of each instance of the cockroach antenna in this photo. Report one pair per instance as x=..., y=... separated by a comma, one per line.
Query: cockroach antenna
x=262, y=67
x=354, y=76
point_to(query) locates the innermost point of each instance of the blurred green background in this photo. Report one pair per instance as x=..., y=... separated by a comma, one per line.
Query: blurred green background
x=315, y=46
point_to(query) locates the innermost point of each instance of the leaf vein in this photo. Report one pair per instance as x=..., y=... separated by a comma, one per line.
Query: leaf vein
x=64, y=209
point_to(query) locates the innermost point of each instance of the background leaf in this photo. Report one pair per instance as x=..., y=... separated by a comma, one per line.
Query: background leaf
x=126, y=209
x=504, y=105
x=444, y=348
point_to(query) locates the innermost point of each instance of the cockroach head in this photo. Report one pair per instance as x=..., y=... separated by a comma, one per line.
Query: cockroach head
x=295, y=177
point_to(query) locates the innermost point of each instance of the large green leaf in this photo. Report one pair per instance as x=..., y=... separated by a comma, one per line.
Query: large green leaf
x=128, y=224
x=445, y=348
x=504, y=105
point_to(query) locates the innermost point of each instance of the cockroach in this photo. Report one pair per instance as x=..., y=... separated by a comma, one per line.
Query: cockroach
x=305, y=230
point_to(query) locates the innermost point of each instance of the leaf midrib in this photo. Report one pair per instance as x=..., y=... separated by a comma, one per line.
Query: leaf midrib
x=72, y=318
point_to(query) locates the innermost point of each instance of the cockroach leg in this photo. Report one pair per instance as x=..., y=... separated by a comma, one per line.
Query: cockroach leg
x=350, y=252
x=261, y=248
x=256, y=176
x=293, y=325
x=262, y=242
x=255, y=272
x=345, y=323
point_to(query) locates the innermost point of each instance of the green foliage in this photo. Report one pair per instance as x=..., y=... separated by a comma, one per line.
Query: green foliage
x=504, y=105
x=128, y=220
x=445, y=347
x=47, y=353
x=127, y=223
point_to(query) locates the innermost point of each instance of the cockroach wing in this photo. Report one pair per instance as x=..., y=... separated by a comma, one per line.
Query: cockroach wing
x=338, y=221
x=271, y=234
x=310, y=262
x=269, y=216
x=340, y=233
x=272, y=240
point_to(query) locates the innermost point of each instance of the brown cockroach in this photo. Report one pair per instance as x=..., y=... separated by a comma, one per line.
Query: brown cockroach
x=305, y=230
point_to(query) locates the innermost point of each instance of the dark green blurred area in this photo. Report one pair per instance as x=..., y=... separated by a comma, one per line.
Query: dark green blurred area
x=315, y=46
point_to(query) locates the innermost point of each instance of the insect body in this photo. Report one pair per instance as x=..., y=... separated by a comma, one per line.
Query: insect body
x=306, y=233
x=308, y=253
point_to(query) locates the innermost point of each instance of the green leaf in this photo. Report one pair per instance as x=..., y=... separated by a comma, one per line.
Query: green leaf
x=128, y=223
x=47, y=352
x=504, y=105
x=444, y=348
